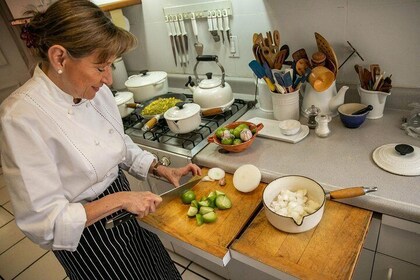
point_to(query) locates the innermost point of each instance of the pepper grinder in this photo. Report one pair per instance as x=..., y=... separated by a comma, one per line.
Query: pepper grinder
x=312, y=112
x=322, y=129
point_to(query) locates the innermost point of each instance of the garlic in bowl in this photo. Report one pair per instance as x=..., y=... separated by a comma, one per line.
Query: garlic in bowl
x=289, y=127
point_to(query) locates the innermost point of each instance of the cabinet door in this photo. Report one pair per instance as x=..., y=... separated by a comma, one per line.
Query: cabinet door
x=386, y=267
x=400, y=239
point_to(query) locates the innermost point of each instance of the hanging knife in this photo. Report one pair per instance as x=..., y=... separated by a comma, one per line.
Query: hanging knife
x=226, y=21
x=220, y=24
x=212, y=27
x=179, y=37
x=184, y=35
x=215, y=28
x=171, y=38
x=176, y=39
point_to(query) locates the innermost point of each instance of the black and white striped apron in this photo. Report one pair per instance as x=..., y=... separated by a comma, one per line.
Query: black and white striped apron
x=126, y=251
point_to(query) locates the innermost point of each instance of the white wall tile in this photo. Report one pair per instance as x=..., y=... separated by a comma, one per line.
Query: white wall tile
x=383, y=32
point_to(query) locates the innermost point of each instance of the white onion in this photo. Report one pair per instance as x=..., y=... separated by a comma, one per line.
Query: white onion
x=294, y=204
x=216, y=173
x=246, y=178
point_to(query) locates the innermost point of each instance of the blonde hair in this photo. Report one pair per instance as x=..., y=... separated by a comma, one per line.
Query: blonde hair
x=81, y=27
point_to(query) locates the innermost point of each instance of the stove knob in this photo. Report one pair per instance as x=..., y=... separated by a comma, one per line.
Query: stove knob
x=165, y=161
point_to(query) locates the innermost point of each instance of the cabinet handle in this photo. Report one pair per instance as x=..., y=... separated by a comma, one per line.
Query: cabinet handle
x=389, y=275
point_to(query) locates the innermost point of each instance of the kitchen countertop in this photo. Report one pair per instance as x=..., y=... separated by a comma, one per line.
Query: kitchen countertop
x=343, y=159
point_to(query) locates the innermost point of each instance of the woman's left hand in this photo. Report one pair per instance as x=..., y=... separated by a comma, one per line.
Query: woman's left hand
x=173, y=175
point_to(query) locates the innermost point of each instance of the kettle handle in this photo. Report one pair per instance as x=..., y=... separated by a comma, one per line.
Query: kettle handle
x=209, y=58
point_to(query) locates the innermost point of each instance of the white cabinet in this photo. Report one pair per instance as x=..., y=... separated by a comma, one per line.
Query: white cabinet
x=391, y=250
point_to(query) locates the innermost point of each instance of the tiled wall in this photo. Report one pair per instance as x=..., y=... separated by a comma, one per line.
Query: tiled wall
x=383, y=31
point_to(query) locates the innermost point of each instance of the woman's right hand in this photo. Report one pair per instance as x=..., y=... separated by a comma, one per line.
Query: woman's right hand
x=141, y=203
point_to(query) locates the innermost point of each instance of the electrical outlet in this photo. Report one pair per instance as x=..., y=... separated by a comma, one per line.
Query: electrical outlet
x=233, y=47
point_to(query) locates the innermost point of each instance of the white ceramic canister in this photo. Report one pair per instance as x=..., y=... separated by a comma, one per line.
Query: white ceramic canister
x=119, y=74
x=286, y=105
x=375, y=98
x=265, y=102
x=147, y=85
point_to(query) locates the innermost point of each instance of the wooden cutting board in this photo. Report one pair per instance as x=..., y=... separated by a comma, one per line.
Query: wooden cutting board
x=215, y=238
x=329, y=251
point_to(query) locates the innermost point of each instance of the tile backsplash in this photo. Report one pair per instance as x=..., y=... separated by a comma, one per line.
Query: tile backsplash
x=383, y=32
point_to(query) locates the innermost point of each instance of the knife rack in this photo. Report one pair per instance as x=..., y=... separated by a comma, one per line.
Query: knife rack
x=200, y=9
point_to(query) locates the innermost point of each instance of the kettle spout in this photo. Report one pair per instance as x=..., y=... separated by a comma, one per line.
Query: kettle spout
x=338, y=99
x=190, y=84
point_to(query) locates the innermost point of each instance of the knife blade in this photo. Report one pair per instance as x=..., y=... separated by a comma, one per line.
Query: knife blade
x=171, y=38
x=125, y=216
x=176, y=192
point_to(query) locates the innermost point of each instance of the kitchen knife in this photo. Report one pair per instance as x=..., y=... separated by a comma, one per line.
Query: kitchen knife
x=184, y=36
x=220, y=24
x=181, y=43
x=226, y=21
x=171, y=38
x=176, y=39
x=167, y=196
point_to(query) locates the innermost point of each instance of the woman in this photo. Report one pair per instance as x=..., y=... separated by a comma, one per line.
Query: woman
x=64, y=148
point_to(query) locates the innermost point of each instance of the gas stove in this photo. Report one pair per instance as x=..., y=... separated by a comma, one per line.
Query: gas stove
x=162, y=142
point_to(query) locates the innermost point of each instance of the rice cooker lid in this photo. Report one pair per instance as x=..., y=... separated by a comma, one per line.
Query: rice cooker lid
x=148, y=78
x=398, y=159
x=122, y=97
x=175, y=113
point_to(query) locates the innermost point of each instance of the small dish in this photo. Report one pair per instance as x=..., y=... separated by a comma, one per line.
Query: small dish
x=289, y=127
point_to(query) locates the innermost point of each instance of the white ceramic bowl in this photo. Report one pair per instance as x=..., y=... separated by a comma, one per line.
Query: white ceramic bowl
x=289, y=127
x=294, y=183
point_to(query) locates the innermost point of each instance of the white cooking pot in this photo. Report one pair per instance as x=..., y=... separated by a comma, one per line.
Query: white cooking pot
x=315, y=192
x=122, y=98
x=147, y=85
x=183, y=118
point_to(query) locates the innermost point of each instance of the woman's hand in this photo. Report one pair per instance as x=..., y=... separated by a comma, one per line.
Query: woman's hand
x=173, y=175
x=141, y=203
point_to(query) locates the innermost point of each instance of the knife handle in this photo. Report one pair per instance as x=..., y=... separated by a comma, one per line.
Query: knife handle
x=181, y=23
x=119, y=219
x=194, y=24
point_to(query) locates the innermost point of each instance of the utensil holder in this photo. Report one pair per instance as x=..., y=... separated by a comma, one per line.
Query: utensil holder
x=375, y=98
x=285, y=106
x=264, y=97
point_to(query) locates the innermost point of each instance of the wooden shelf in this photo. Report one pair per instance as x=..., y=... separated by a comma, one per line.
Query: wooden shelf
x=117, y=4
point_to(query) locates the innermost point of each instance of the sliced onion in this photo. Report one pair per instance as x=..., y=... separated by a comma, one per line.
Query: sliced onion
x=216, y=173
x=246, y=178
x=207, y=179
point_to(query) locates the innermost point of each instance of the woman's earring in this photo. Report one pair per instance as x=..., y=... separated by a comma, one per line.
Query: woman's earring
x=60, y=71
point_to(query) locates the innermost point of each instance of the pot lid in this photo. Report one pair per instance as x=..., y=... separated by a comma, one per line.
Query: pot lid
x=188, y=109
x=210, y=83
x=398, y=159
x=148, y=78
x=122, y=97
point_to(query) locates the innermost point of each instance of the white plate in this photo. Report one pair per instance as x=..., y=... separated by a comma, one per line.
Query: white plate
x=271, y=130
x=387, y=158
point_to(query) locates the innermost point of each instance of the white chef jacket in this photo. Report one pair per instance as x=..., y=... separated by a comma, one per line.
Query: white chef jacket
x=57, y=155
